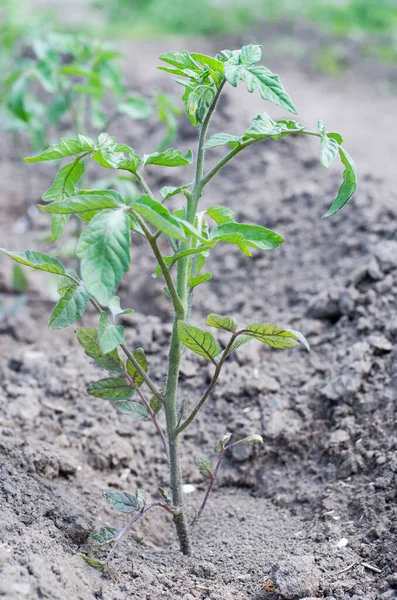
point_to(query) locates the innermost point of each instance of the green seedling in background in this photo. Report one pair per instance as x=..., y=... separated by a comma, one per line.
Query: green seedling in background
x=66, y=76
x=68, y=82
x=112, y=222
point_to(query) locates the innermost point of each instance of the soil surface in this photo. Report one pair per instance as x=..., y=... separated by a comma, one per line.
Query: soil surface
x=312, y=512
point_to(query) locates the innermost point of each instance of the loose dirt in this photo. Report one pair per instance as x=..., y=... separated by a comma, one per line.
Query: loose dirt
x=312, y=513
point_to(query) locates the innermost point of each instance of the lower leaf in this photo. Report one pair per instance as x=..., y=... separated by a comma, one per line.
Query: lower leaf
x=111, y=388
x=70, y=307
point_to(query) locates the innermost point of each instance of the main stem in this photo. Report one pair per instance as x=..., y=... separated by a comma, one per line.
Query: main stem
x=175, y=352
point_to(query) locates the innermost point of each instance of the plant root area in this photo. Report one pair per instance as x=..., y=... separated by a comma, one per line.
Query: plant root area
x=311, y=513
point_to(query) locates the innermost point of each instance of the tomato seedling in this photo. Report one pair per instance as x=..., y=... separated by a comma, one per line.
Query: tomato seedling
x=112, y=222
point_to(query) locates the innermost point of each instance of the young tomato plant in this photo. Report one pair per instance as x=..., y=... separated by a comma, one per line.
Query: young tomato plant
x=112, y=222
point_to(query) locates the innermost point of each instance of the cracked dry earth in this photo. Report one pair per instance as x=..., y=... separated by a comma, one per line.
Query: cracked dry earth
x=312, y=513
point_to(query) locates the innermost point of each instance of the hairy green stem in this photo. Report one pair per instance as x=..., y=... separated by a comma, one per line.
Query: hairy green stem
x=175, y=351
x=144, y=185
x=176, y=300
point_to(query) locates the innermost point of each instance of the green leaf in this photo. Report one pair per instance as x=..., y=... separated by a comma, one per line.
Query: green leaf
x=220, y=444
x=37, y=260
x=109, y=336
x=240, y=64
x=194, y=281
x=89, y=203
x=165, y=496
x=104, y=251
x=135, y=107
x=89, y=339
x=335, y=136
x=70, y=307
x=220, y=214
x=155, y=404
x=204, y=465
x=220, y=322
x=181, y=60
x=167, y=192
x=65, y=182
x=110, y=388
x=58, y=107
x=263, y=127
x=192, y=103
x=159, y=216
x=133, y=409
x=301, y=338
x=115, y=309
x=272, y=335
x=349, y=185
x=269, y=86
x=251, y=438
x=191, y=230
x=208, y=61
x=249, y=55
x=109, y=141
x=329, y=147
x=140, y=357
x=233, y=73
x=65, y=282
x=131, y=163
x=122, y=501
x=252, y=235
x=94, y=562
x=180, y=72
x=104, y=535
x=140, y=496
x=200, y=342
x=58, y=224
x=66, y=147
x=117, y=156
x=16, y=98
x=221, y=139
x=168, y=158
x=19, y=281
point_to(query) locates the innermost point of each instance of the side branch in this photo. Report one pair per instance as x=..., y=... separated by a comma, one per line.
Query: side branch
x=210, y=388
x=228, y=157
x=153, y=417
x=210, y=486
x=144, y=185
x=143, y=373
x=242, y=145
x=152, y=239
x=134, y=519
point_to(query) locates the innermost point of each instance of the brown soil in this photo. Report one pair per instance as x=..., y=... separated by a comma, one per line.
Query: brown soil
x=320, y=495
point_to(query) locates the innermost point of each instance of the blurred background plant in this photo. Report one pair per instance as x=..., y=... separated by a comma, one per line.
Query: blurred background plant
x=367, y=24
x=55, y=76
x=56, y=83
x=373, y=23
